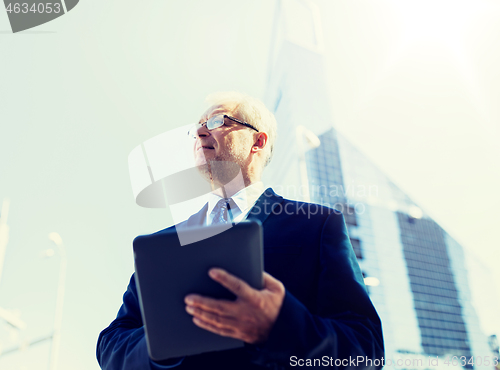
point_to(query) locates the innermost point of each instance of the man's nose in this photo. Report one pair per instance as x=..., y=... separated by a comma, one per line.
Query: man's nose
x=203, y=131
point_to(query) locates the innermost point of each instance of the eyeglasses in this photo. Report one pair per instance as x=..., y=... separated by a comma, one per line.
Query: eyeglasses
x=215, y=122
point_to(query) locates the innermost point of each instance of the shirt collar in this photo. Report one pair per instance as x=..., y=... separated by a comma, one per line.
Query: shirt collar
x=244, y=199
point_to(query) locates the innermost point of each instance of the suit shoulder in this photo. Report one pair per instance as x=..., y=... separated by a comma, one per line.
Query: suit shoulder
x=167, y=229
x=311, y=210
x=170, y=228
x=300, y=203
x=162, y=230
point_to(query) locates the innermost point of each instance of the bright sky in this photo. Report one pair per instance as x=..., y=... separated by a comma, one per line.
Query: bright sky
x=415, y=85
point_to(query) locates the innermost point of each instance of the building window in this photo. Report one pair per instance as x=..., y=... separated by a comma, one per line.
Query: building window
x=356, y=245
x=350, y=216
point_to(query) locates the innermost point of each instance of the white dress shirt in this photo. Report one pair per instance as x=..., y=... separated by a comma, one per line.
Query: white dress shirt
x=245, y=199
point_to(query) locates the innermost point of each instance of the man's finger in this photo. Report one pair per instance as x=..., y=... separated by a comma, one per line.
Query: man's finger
x=213, y=319
x=219, y=306
x=272, y=283
x=221, y=331
x=232, y=283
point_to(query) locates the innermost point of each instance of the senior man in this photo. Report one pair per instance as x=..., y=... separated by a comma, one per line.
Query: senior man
x=313, y=308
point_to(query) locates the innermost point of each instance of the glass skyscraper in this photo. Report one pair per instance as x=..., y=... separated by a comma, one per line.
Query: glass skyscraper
x=422, y=294
x=415, y=271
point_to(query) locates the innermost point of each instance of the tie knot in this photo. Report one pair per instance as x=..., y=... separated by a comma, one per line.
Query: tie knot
x=224, y=202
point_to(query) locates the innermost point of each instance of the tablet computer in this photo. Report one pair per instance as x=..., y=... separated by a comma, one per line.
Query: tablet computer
x=167, y=271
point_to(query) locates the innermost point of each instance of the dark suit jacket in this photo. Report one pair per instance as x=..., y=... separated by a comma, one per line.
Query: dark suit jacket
x=326, y=310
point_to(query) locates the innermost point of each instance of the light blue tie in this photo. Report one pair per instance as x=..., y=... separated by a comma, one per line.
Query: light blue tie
x=221, y=211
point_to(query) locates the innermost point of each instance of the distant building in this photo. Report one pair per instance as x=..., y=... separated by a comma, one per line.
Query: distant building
x=415, y=270
x=423, y=294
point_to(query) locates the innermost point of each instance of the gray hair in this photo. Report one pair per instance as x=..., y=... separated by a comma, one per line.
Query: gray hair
x=252, y=111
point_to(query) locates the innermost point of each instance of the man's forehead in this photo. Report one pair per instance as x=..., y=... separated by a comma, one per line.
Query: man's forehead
x=225, y=108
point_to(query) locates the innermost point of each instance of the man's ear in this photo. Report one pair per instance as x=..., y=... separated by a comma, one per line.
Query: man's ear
x=260, y=142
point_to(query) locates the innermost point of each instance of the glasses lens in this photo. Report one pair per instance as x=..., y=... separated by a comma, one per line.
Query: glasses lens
x=214, y=122
x=193, y=131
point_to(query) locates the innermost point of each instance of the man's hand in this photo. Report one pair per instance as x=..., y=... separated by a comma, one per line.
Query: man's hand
x=249, y=318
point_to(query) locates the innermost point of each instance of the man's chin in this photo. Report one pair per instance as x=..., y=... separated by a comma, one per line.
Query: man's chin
x=204, y=171
x=200, y=161
x=218, y=171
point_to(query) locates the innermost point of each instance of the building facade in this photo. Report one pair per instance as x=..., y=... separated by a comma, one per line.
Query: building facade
x=415, y=271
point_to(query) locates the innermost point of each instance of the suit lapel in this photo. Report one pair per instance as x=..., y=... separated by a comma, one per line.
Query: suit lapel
x=264, y=205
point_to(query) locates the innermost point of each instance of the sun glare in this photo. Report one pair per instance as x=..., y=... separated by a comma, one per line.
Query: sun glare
x=442, y=20
x=438, y=32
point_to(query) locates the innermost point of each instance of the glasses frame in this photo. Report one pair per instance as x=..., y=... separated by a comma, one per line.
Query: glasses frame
x=195, y=127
